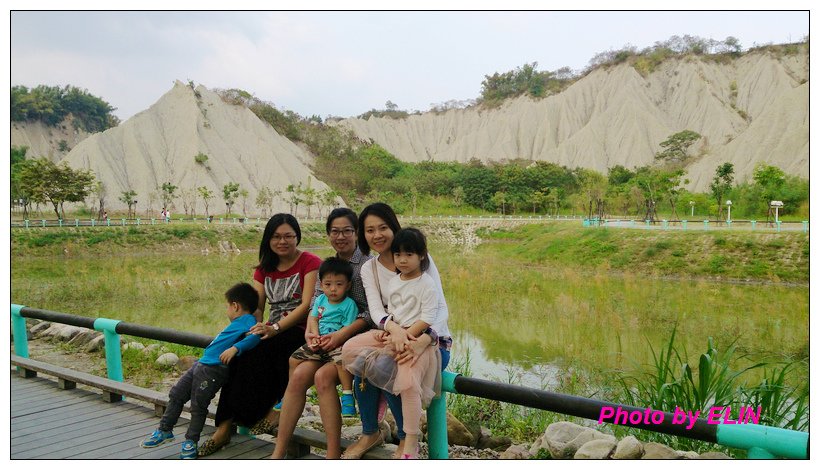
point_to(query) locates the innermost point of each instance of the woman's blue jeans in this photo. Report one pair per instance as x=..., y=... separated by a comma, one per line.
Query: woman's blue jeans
x=369, y=402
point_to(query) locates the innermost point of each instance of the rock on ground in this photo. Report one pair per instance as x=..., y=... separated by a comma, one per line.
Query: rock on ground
x=628, y=448
x=655, y=451
x=597, y=449
x=168, y=359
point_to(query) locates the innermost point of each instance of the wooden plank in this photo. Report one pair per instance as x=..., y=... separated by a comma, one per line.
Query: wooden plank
x=51, y=395
x=127, y=436
x=261, y=452
x=65, y=426
x=83, y=426
x=102, y=426
x=240, y=445
x=255, y=449
x=71, y=412
x=126, y=442
x=129, y=417
x=130, y=448
x=104, y=384
x=34, y=417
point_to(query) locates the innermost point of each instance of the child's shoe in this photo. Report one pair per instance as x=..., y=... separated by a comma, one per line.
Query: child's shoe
x=156, y=438
x=348, y=406
x=189, y=450
x=278, y=406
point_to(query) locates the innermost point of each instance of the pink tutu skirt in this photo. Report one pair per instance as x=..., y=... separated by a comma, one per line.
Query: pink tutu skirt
x=365, y=356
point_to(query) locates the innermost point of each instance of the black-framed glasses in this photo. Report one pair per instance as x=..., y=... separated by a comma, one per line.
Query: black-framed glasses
x=288, y=237
x=346, y=232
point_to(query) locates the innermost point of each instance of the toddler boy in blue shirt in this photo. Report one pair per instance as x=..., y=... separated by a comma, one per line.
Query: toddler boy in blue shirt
x=332, y=311
x=207, y=375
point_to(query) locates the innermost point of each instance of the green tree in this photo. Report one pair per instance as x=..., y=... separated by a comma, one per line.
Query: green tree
x=328, y=197
x=480, y=183
x=770, y=179
x=675, y=148
x=130, y=199
x=100, y=191
x=206, y=195
x=458, y=196
x=295, y=197
x=243, y=193
x=619, y=175
x=499, y=199
x=167, y=194
x=18, y=159
x=230, y=192
x=722, y=183
x=264, y=200
x=46, y=181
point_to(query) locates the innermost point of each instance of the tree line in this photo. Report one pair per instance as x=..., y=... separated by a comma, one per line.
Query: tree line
x=52, y=104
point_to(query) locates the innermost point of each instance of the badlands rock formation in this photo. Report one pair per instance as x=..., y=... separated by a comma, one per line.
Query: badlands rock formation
x=159, y=144
x=44, y=141
x=751, y=109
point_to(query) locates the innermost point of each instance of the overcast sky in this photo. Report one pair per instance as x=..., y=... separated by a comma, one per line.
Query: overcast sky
x=341, y=63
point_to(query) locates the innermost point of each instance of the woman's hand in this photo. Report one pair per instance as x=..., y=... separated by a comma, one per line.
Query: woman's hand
x=414, y=349
x=263, y=330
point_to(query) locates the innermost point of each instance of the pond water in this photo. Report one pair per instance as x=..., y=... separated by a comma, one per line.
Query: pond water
x=533, y=324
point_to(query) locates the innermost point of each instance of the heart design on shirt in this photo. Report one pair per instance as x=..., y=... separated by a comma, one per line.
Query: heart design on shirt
x=402, y=304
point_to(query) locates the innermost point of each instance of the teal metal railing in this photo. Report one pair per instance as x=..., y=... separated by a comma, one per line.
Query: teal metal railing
x=762, y=442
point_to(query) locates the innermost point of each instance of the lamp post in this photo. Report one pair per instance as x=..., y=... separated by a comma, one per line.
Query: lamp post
x=777, y=205
x=692, y=205
x=729, y=208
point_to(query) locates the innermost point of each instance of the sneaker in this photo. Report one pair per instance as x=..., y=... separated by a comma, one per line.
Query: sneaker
x=278, y=406
x=188, y=451
x=348, y=405
x=156, y=438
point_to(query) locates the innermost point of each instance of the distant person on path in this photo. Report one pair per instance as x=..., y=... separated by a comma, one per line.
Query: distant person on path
x=206, y=377
x=341, y=229
x=377, y=227
x=258, y=379
x=396, y=361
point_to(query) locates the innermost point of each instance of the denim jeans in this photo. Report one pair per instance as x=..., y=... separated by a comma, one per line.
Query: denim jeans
x=199, y=385
x=368, y=400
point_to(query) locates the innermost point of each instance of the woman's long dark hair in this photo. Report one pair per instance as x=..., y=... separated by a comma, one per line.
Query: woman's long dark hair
x=382, y=211
x=268, y=260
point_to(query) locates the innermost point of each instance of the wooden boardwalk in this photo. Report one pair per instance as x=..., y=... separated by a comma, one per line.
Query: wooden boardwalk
x=50, y=423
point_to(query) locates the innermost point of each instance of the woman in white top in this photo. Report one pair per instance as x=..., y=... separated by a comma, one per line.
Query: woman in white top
x=377, y=226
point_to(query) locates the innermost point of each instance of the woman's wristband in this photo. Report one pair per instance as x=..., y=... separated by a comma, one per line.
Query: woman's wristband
x=432, y=334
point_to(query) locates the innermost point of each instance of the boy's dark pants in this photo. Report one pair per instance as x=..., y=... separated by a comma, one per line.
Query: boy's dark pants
x=199, y=385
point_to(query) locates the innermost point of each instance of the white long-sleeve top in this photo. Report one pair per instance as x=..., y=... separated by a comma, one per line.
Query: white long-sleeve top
x=412, y=300
x=377, y=300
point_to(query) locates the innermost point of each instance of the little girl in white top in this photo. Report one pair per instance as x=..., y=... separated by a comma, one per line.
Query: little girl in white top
x=413, y=304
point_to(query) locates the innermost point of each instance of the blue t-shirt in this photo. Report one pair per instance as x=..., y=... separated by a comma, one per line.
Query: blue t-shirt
x=231, y=336
x=334, y=317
